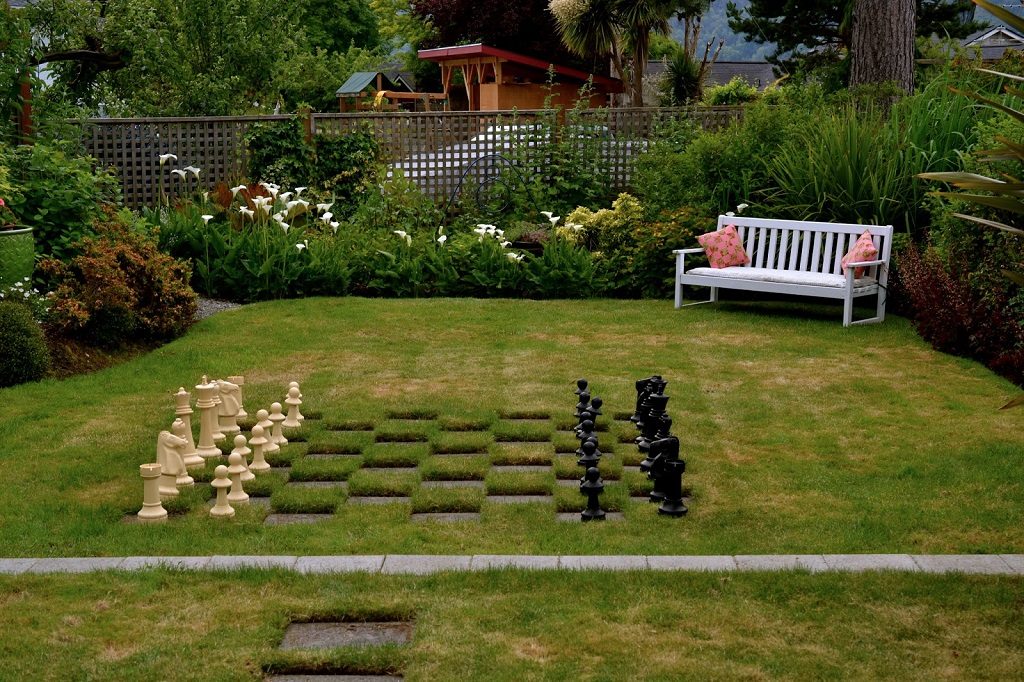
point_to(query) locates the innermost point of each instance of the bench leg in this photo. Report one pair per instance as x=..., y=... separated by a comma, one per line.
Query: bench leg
x=881, y=304
x=714, y=295
x=679, y=292
x=848, y=311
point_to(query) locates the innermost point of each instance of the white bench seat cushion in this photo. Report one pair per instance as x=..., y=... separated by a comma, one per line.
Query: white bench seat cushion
x=817, y=279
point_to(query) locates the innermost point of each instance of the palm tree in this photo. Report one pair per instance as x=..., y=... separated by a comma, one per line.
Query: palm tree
x=614, y=29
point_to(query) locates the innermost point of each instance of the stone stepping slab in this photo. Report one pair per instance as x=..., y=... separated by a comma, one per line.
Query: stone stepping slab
x=517, y=499
x=521, y=467
x=289, y=519
x=967, y=564
x=572, y=517
x=334, y=635
x=332, y=455
x=452, y=484
x=318, y=484
x=446, y=517
x=253, y=502
x=377, y=500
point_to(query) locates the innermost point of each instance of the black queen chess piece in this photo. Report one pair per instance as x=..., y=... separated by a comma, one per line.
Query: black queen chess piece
x=592, y=486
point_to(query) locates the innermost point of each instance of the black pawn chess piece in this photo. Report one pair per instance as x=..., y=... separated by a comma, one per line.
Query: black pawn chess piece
x=581, y=386
x=584, y=416
x=592, y=486
x=586, y=430
x=589, y=454
x=669, y=470
x=595, y=408
x=582, y=405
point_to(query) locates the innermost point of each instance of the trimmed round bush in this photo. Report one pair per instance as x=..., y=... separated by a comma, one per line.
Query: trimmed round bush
x=23, y=352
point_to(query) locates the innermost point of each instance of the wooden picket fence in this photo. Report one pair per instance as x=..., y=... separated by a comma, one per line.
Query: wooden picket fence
x=435, y=150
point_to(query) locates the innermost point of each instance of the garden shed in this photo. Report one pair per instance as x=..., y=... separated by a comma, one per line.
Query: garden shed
x=497, y=80
x=364, y=84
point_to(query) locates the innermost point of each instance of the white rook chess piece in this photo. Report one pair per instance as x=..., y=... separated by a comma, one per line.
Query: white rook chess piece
x=227, y=411
x=184, y=412
x=169, y=458
x=276, y=418
x=152, y=509
x=235, y=470
x=257, y=442
x=294, y=419
x=244, y=452
x=263, y=419
x=221, y=483
x=240, y=382
x=207, y=419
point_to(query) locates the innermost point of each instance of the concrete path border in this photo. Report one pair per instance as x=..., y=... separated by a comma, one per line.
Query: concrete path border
x=424, y=564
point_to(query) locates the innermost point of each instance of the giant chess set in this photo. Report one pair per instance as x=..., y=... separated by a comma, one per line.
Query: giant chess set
x=219, y=403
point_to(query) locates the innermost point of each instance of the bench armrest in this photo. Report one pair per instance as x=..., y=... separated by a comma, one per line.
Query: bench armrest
x=697, y=250
x=864, y=264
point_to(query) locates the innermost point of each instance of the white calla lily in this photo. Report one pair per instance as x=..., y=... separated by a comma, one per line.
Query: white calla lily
x=326, y=217
x=180, y=173
x=193, y=170
x=236, y=190
x=164, y=158
x=301, y=245
x=442, y=239
x=206, y=219
x=284, y=226
x=299, y=190
x=554, y=219
x=334, y=226
x=324, y=207
x=246, y=211
x=284, y=196
x=547, y=214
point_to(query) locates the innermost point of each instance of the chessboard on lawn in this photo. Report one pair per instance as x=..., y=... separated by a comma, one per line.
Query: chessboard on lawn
x=220, y=407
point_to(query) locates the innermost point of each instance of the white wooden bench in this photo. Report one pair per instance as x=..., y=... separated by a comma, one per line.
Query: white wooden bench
x=796, y=257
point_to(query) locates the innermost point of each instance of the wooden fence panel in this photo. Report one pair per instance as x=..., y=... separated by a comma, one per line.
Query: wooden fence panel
x=435, y=150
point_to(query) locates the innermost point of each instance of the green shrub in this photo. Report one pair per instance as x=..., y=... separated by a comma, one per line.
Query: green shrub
x=120, y=287
x=57, y=194
x=735, y=92
x=23, y=352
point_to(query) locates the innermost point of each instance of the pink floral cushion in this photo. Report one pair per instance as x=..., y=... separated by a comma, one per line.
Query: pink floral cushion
x=724, y=248
x=863, y=250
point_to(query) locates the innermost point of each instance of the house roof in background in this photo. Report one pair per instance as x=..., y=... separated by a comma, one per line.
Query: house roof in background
x=758, y=74
x=993, y=42
x=18, y=4
x=359, y=81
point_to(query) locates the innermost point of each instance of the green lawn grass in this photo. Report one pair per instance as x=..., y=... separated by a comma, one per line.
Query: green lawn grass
x=511, y=625
x=799, y=435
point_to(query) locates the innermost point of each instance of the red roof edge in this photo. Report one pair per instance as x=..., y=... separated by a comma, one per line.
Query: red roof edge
x=442, y=54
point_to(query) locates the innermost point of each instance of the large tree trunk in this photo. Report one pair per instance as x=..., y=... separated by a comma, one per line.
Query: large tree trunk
x=883, y=42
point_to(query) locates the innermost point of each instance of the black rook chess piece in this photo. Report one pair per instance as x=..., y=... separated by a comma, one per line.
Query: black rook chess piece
x=592, y=486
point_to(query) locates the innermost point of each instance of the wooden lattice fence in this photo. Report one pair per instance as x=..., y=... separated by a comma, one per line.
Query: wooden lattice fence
x=435, y=150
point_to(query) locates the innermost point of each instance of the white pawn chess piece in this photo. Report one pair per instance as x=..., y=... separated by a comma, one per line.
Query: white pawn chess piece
x=221, y=509
x=276, y=418
x=184, y=411
x=235, y=470
x=294, y=419
x=244, y=452
x=295, y=385
x=227, y=411
x=152, y=508
x=263, y=419
x=169, y=458
x=240, y=382
x=207, y=446
x=257, y=442
x=218, y=435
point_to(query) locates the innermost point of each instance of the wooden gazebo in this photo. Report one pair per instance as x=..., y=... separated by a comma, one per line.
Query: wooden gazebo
x=497, y=79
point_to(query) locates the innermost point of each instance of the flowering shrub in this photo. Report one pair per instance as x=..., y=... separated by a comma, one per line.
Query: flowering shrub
x=23, y=293
x=119, y=287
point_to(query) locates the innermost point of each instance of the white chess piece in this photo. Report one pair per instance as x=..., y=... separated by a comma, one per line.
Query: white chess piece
x=276, y=418
x=184, y=412
x=240, y=382
x=293, y=420
x=227, y=411
x=263, y=419
x=240, y=449
x=169, y=458
x=207, y=446
x=235, y=471
x=257, y=442
x=152, y=509
x=222, y=509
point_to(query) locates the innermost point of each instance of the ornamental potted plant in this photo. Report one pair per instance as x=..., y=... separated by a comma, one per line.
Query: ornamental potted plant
x=17, y=248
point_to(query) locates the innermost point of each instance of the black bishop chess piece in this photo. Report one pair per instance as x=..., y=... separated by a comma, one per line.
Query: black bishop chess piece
x=667, y=470
x=592, y=486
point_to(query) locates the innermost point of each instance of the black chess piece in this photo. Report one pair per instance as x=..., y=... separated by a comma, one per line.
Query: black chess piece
x=589, y=454
x=667, y=470
x=586, y=430
x=642, y=391
x=581, y=386
x=584, y=416
x=655, y=412
x=656, y=450
x=582, y=405
x=595, y=408
x=592, y=486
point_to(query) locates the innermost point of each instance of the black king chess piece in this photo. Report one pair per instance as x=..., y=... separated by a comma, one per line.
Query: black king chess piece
x=667, y=469
x=592, y=486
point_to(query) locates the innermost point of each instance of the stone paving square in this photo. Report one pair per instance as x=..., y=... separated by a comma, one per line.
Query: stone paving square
x=452, y=484
x=782, y=562
x=521, y=467
x=517, y=499
x=377, y=500
x=289, y=519
x=334, y=635
x=1014, y=561
x=870, y=562
x=988, y=564
x=75, y=565
x=318, y=484
x=692, y=563
x=445, y=517
x=15, y=566
x=485, y=561
x=184, y=563
x=610, y=563
x=574, y=517
x=224, y=562
x=424, y=564
x=340, y=564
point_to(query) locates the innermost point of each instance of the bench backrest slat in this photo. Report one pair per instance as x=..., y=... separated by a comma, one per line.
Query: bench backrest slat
x=805, y=246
